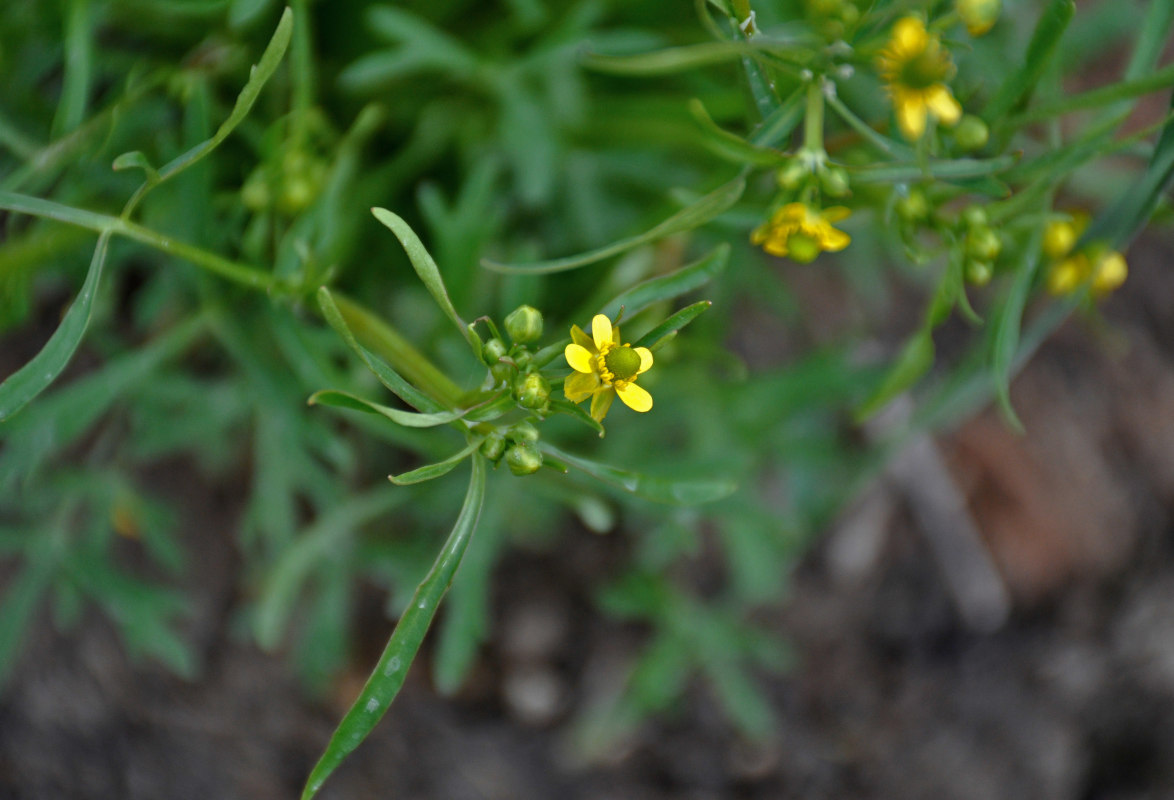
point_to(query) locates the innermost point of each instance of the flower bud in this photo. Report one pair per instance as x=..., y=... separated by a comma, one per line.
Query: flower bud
x=532, y=391
x=523, y=458
x=1109, y=272
x=493, y=447
x=524, y=324
x=975, y=217
x=792, y=174
x=834, y=182
x=492, y=351
x=913, y=207
x=979, y=272
x=983, y=244
x=523, y=432
x=971, y=134
x=1059, y=238
x=979, y=15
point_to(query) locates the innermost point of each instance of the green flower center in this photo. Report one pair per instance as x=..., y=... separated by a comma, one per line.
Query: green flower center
x=622, y=362
x=925, y=69
x=803, y=247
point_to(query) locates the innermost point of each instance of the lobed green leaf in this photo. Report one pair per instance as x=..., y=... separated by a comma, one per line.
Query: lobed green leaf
x=682, y=491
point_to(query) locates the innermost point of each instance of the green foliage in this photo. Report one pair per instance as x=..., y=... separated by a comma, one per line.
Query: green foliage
x=244, y=315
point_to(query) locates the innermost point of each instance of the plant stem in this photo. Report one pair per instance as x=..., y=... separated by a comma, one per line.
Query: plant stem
x=813, y=120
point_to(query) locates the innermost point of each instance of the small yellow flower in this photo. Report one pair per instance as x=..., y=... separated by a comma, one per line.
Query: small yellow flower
x=916, y=66
x=800, y=233
x=605, y=368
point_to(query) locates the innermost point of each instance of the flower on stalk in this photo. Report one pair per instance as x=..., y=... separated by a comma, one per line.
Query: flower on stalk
x=800, y=233
x=916, y=66
x=605, y=368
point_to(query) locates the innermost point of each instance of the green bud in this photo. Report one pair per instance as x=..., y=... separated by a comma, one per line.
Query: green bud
x=255, y=193
x=522, y=432
x=971, y=133
x=975, y=217
x=523, y=359
x=834, y=182
x=523, y=458
x=532, y=391
x=502, y=371
x=792, y=174
x=979, y=272
x=983, y=244
x=524, y=324
x=913, y=207
x=492, y=351
x=493, y=447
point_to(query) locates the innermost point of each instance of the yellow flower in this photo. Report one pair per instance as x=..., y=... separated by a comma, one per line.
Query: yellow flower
x=916, y=66
x=800, y=233
x=605, y=368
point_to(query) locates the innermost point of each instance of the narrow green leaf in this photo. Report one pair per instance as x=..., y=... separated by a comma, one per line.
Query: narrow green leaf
x=261, y=72
x=730, y=146
x=1095, y=98
x=386, y=375
x=409, y=419
x=781, y=123
x=890, y=147
x=670, y=326
x=692, y=216
x=427, y=473
x=31, y=379
x=1132, y=210
x=389, y=674
x=953, y=170
x=135, y=159
x=1007, y=326
x=668, y=287
x=678, y=59
x=1019, y=85
x=79, y=58
x=242, y=13
x=427, y=270
x=684, y=491
x=915, y=359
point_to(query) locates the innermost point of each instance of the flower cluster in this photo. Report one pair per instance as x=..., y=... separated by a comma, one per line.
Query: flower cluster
x=605, y=368
x=1101, y=268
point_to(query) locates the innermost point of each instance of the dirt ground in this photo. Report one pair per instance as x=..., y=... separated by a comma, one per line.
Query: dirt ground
x=901, y=687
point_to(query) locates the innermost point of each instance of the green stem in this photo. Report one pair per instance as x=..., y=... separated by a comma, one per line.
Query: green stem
x=813, y=120
x=405, y=358
x=303, y=72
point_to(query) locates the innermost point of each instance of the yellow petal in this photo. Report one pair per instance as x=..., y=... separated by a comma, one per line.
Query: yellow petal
x=601, y=330
x=635, y=397
x=835, y=213
x=790, y=213
x=910, y=115
x=579, y=357
x=600, y=403
x=1111, y=271
x=580, y=338
x=909, y=35
x=645, y=359
x=943, y=104
x=579, y=386
x=833, y=240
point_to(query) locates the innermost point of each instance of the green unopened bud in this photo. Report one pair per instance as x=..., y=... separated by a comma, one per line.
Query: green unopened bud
x=975, y=217
x=792, y=174
x=493, y=447
x=803, y=248
x=983, y=244
x=255, y=193
x=524, y=324
x=532, y=391
x=979, y=272
x=523, y=458
x=492, y=351
x=913, y=207
x=979, y=15
x=523, y=359
x=971, y=133
x=834, y=182
x=522, y=432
